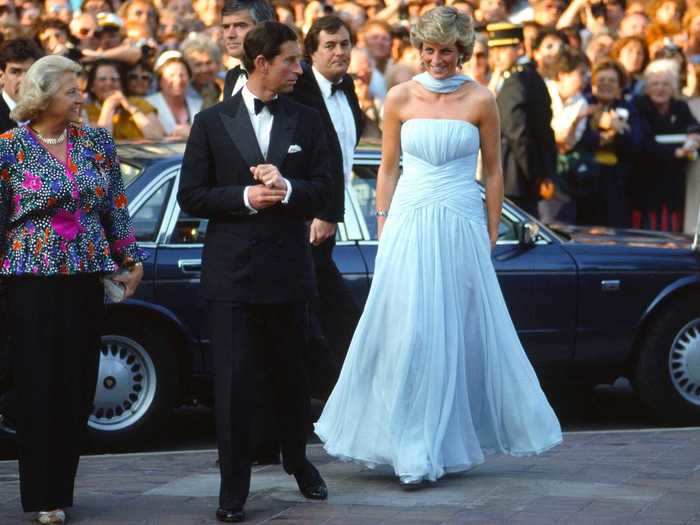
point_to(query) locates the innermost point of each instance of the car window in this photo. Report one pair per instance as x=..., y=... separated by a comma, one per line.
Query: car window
x=147, y=218
x=364, y=188
x=188, y=229
x=130, y=172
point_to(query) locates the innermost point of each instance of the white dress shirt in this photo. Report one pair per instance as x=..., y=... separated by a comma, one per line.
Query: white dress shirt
x=343, y=121
x=240, y=81
x=565, y=112
x=8, y=100
x=262, y=126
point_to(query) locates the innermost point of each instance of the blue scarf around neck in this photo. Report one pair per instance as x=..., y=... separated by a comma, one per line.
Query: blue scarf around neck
x=447, y=85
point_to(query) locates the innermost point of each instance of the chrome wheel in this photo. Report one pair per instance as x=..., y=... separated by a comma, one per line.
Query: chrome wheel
x=684, y=362
x=126, y=385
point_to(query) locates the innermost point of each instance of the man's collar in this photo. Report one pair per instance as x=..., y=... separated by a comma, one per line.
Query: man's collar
x=323, y=83
x=8, y=100
x=249, y=98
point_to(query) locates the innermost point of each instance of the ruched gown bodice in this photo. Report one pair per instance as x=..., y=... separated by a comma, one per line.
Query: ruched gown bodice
x=435, y=375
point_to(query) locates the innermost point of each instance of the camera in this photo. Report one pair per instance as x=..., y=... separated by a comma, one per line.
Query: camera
x=598, y=10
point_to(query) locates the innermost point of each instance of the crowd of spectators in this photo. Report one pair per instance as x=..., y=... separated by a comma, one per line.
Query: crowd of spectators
x=623, y=76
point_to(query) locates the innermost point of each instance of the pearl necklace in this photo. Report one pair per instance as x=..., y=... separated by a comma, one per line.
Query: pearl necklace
x=53, y=141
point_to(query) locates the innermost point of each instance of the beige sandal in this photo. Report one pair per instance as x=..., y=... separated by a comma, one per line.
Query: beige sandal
x=53, y=516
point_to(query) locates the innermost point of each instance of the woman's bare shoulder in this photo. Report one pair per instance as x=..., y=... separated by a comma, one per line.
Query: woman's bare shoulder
x=480, y=93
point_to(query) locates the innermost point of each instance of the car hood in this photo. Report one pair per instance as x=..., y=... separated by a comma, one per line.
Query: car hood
x=622, y=237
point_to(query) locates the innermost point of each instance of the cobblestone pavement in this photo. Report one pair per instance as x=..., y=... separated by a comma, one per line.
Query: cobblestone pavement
x=641, y=477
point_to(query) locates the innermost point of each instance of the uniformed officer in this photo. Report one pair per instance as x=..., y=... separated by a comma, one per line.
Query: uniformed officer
x=528, y=148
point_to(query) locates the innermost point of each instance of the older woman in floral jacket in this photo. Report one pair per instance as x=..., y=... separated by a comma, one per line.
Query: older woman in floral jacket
x=64, y=225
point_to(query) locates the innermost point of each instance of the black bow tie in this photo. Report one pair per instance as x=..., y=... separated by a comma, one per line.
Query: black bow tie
x=336, y=87
x=272, y=105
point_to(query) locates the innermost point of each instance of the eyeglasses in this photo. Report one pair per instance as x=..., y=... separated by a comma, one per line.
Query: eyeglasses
x=145, y=77
x=107, y=79
x=86, y=31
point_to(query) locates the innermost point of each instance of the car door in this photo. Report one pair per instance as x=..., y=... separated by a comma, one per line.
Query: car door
x=538, y=282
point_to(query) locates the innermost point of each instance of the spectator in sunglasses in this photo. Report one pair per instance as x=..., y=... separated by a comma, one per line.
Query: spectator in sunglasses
x=127, y=118
x=139, y=80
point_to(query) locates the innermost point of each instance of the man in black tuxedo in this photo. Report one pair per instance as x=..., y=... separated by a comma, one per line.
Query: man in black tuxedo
x=525, y=108
x=237, y=18
x=257, y=166
x=326, y=87
x=16, y=56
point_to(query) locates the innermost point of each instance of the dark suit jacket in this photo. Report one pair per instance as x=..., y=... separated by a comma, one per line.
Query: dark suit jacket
x=529, y=150
x=230, y=80
x=308, y=93
x=263, y=257
x=5, y=121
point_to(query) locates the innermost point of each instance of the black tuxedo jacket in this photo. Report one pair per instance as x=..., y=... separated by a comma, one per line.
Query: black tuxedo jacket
x=5, y=121
x=529, y=149
x=230, y=80
x=263, y=257
x=308, y=93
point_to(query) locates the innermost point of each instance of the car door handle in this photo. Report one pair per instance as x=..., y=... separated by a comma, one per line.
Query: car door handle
x=190, y=265
x=612, y=285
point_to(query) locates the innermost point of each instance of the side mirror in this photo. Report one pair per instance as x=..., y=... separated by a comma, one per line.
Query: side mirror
x=527, y=232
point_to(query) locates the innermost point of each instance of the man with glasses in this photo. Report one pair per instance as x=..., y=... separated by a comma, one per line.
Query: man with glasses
x=237, y=18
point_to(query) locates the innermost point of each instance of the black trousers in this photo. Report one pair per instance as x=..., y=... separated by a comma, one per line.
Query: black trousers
x=334, y=316
x=55, y=328
x=245, y=338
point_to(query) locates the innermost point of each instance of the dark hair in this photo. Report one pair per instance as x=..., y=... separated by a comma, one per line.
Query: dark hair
x=266, y=39
x=92, y=74
x=622, y=43
x=607, y=64
x=19, y=50
x=260, y=10
x=570, y=60
x=51, y=23
x=544, y=32
x=330, y=24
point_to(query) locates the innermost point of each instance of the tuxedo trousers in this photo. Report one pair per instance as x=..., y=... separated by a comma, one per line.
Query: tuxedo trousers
x=334, y=316
x=246, y=338
x=55, y=328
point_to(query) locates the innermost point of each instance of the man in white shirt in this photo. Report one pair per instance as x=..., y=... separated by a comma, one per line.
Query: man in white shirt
x=16, y=57
x=326, y=87
x=257, y=166
x=237, y=18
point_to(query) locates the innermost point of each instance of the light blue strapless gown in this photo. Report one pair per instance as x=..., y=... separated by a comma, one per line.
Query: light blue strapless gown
x=435, y=375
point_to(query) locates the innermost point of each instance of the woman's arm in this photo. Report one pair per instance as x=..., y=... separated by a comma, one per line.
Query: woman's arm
x=389, y=169
x=490, y=137
x=147, y=121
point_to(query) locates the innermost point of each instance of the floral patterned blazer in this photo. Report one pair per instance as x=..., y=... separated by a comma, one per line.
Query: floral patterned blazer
x=58, y=218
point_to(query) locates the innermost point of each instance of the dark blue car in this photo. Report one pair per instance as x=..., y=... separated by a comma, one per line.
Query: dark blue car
x=590, y=304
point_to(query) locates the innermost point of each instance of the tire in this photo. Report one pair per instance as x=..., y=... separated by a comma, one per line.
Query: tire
x=137, y=384
x=667, y=373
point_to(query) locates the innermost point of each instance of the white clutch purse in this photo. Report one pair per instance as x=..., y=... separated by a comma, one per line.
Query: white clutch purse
x=114, y=291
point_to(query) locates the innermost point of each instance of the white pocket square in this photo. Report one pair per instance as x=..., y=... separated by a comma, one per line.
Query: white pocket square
x=294, y=148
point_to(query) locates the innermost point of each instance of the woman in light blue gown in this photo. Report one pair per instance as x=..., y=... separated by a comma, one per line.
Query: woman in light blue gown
x=435, y=376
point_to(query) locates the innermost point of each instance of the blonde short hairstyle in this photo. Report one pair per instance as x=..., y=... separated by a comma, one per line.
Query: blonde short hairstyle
x=445, y=25
x=40, y=85
x=665, y=67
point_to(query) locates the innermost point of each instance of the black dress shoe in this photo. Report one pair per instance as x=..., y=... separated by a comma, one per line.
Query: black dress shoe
x=311, y=484
x=230, y=516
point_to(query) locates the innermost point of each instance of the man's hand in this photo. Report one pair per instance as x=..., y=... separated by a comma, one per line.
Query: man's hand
x=260, y=197
x=320, y=231
x=269, y=175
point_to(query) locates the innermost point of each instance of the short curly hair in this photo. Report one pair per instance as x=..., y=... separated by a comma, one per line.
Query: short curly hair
x=445, y=25
x=40, y=85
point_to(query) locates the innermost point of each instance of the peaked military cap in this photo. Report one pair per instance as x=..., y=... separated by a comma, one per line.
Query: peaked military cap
x=504, y=34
